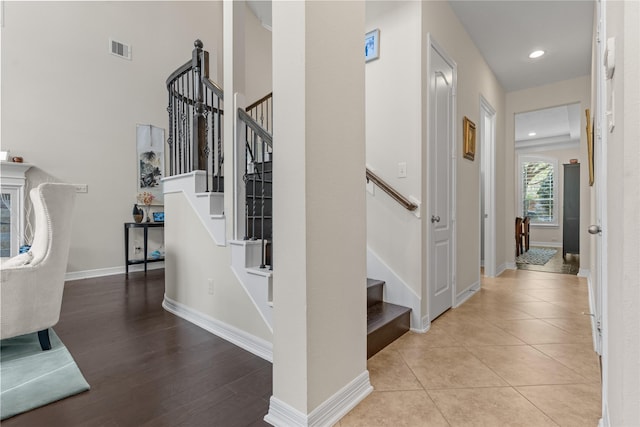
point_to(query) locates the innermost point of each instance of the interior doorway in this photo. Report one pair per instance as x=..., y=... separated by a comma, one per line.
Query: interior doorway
x=486, y=151
x=548, y=188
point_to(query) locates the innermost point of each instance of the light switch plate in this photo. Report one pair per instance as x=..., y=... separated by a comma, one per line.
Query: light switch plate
x=402, y=170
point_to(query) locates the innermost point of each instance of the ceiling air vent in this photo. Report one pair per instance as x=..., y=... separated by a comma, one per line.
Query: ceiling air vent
x=120, y=49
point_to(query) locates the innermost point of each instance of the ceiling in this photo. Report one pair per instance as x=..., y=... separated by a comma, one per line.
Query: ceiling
x=555, y=126
x=506, y=32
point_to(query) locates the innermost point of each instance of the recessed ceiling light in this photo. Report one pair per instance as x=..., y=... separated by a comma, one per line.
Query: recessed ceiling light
x=532, y=134
x=536, y=54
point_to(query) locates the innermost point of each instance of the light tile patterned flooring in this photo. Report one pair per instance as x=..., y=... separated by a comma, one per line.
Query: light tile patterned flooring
x=518, y=353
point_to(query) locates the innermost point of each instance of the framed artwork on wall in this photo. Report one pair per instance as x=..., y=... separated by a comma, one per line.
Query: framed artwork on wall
x=150, y=159
x=590, y=146
x=372, y=45
x=469, y=139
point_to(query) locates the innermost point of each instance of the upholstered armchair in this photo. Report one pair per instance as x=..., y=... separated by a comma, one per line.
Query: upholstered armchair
x=33, y=282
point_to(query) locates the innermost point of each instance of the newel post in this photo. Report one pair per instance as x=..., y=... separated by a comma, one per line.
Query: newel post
x=200, y=64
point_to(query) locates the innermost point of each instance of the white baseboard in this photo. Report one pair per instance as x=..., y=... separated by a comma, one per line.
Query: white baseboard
x=510, y=265
x=328, y=413
x=466, y=294
x=425, y=326
x=546, y=244
x=242, y=339
x=88, y=274
x=502, y=268
x=604, y=421
x=584, y=272
x=592, y=309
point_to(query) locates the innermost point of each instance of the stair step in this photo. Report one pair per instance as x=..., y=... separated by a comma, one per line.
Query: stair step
x=386, y=322
x=374, y=291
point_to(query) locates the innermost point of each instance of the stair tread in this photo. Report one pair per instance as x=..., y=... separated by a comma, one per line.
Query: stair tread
x=374, y=282
x=382, y=313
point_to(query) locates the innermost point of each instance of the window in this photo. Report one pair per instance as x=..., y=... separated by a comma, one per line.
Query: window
x=538, y=190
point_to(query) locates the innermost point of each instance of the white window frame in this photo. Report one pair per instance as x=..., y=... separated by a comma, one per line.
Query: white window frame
x=556, y=183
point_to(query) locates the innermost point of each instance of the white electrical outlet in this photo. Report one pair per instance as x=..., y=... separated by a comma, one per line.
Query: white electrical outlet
x=402, y=170
x=210, y=286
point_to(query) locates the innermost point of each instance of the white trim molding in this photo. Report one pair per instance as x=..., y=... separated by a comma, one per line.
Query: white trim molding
x=110, y=271
x=425, y=325
x=504, y=267
x=327, y=413
x=209, y=206
x=584, y=272
x=242, y=339
x=546, y=244
x=466, y=294
x=396, y=290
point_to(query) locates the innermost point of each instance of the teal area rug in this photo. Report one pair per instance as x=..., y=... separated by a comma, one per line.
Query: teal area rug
x=30, y=377
x=536, y=256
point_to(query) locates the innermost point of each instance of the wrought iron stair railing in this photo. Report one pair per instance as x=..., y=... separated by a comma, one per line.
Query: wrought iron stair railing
x=195, y=120
x=258, y=179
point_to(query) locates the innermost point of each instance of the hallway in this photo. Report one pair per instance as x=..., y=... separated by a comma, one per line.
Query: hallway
x=519, y=352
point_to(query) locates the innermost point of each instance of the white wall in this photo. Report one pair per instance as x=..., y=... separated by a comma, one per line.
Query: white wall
x=258, y=81
x=622, y=230
x=396, y=132
x=552, y=95
x=393, y=135
x=192, y=260
x=475, y=79
x=71, y=108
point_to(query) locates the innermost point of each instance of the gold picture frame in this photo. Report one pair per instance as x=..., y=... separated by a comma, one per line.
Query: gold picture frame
x=469, y=139
x=590, y=145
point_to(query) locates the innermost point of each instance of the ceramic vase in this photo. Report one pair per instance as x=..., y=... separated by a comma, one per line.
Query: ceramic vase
x=137, y=214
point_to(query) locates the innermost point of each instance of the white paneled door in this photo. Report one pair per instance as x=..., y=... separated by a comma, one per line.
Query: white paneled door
x=441, y=125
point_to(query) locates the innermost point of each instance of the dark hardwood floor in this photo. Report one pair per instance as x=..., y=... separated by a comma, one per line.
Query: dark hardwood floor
x=147, y=367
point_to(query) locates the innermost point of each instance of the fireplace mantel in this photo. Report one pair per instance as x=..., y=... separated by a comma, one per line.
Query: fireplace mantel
x=13, y=182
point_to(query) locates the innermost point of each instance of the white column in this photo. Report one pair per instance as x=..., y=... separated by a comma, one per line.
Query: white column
x=319, y=341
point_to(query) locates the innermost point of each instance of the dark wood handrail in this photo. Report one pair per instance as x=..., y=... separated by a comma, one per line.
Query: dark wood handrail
x=259, y=101
x=395, y=195
x=259, y=130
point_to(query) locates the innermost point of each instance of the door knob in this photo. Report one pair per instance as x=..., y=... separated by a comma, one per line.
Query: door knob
x=435, y=219
x=595, y=229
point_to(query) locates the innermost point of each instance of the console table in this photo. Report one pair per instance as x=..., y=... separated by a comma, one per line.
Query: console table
x=145, y=226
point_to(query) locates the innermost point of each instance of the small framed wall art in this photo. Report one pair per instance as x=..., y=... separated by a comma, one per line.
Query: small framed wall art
x=469, y=139
x=150, y=159
x=372, y=45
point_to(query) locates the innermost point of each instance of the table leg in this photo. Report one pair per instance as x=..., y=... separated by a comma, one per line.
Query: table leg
x=126, y=249
x=146, y=233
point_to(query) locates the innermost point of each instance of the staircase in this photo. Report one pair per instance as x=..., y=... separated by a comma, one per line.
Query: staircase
x=386, y=322
x=259, y=199
x=196, y=160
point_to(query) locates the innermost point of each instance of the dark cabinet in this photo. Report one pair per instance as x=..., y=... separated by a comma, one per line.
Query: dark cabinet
x=571, y=210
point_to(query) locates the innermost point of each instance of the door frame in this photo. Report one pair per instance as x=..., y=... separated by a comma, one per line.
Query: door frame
x=598, y=281
x=432, y=43
x=487, y=159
